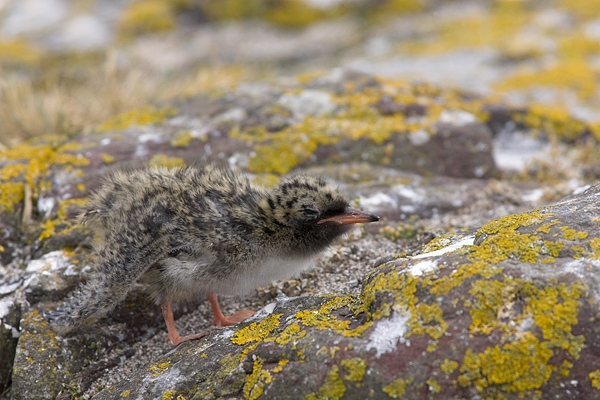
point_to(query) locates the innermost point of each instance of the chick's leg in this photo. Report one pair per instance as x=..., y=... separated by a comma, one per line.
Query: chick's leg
x=220, y=320
x=167, y=311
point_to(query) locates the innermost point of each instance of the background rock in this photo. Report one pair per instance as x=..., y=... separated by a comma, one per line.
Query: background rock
x=398, y=114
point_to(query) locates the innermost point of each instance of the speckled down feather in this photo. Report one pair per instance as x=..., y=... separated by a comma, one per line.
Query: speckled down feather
x=200, y=229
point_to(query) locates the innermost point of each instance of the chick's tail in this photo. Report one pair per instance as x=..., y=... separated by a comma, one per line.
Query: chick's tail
x=93, y=300
x=117, y=271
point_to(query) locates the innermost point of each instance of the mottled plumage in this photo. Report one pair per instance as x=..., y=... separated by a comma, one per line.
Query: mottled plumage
x=200, y=231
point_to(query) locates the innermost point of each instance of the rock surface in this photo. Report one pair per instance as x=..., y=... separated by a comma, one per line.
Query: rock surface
x=480, y=282
x=385, y=311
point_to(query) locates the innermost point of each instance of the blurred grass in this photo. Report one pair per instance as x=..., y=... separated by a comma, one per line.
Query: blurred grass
x=69, y=95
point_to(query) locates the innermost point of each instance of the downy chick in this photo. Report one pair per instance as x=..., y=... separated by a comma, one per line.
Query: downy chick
x=202, y=231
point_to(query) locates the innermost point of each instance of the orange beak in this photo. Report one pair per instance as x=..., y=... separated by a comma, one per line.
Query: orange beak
x=351, y=216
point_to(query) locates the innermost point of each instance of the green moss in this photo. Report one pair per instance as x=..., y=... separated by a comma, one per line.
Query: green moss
x=256, y=331
x=332, y=389
x=396, y=389
x=355, y=368
x=144, y=116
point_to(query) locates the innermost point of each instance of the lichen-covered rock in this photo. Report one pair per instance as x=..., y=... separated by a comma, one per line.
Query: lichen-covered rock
x=403, y=151
x=509, y=312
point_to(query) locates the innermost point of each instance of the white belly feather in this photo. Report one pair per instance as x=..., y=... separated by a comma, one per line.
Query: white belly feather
x=269, y=270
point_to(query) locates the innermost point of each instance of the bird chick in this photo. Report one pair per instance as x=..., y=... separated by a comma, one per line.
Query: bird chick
x=202, y=231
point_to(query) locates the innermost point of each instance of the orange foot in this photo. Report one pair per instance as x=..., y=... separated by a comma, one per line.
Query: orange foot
x=167, y=310
x=221, y=321
x=177, y=340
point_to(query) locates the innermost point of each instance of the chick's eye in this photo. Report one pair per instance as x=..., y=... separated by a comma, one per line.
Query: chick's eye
x=310, y=213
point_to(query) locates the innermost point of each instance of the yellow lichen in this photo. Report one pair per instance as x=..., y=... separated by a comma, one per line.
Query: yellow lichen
x=565, y=368
x=572, y=234
x=140, y=117
x=428, y=319
x=107, y=158
x=29, y=164
x=516, y=366
x=484, y=29
x=49, y=226
x=552, y=120
x=355, y=368
x=256, y=331
x=595, y=379
x=397, y=388
x=595, y=245
x=291, y=333
x=183, y=139
x=147, y=16
x=575, y=74
x=555, y=310
x=125, y=393
x=332, y=389
x=256, y=381
x=19, y=51
x=448, y=366
x=512, y=222
x=169, y=394
x=159, y=368
x=280, y=365
x=434, y=386
x=355, y=118
x=160, y=160
x=323, y=320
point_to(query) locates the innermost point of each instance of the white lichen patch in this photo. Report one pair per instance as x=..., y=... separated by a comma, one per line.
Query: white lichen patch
x=457, y=117
x=468, y=241
x=53, y=261
x=308, y=103
x=422, y=267
x=377, y=201
x=9, y=288
x=5, y=307
x=387, y=334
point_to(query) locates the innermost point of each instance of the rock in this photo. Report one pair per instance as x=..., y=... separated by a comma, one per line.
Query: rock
x=421, y=161
x=508, y=312
x=10, y=317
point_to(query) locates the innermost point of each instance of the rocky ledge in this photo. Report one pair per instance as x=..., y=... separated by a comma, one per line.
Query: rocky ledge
x=481, y=282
